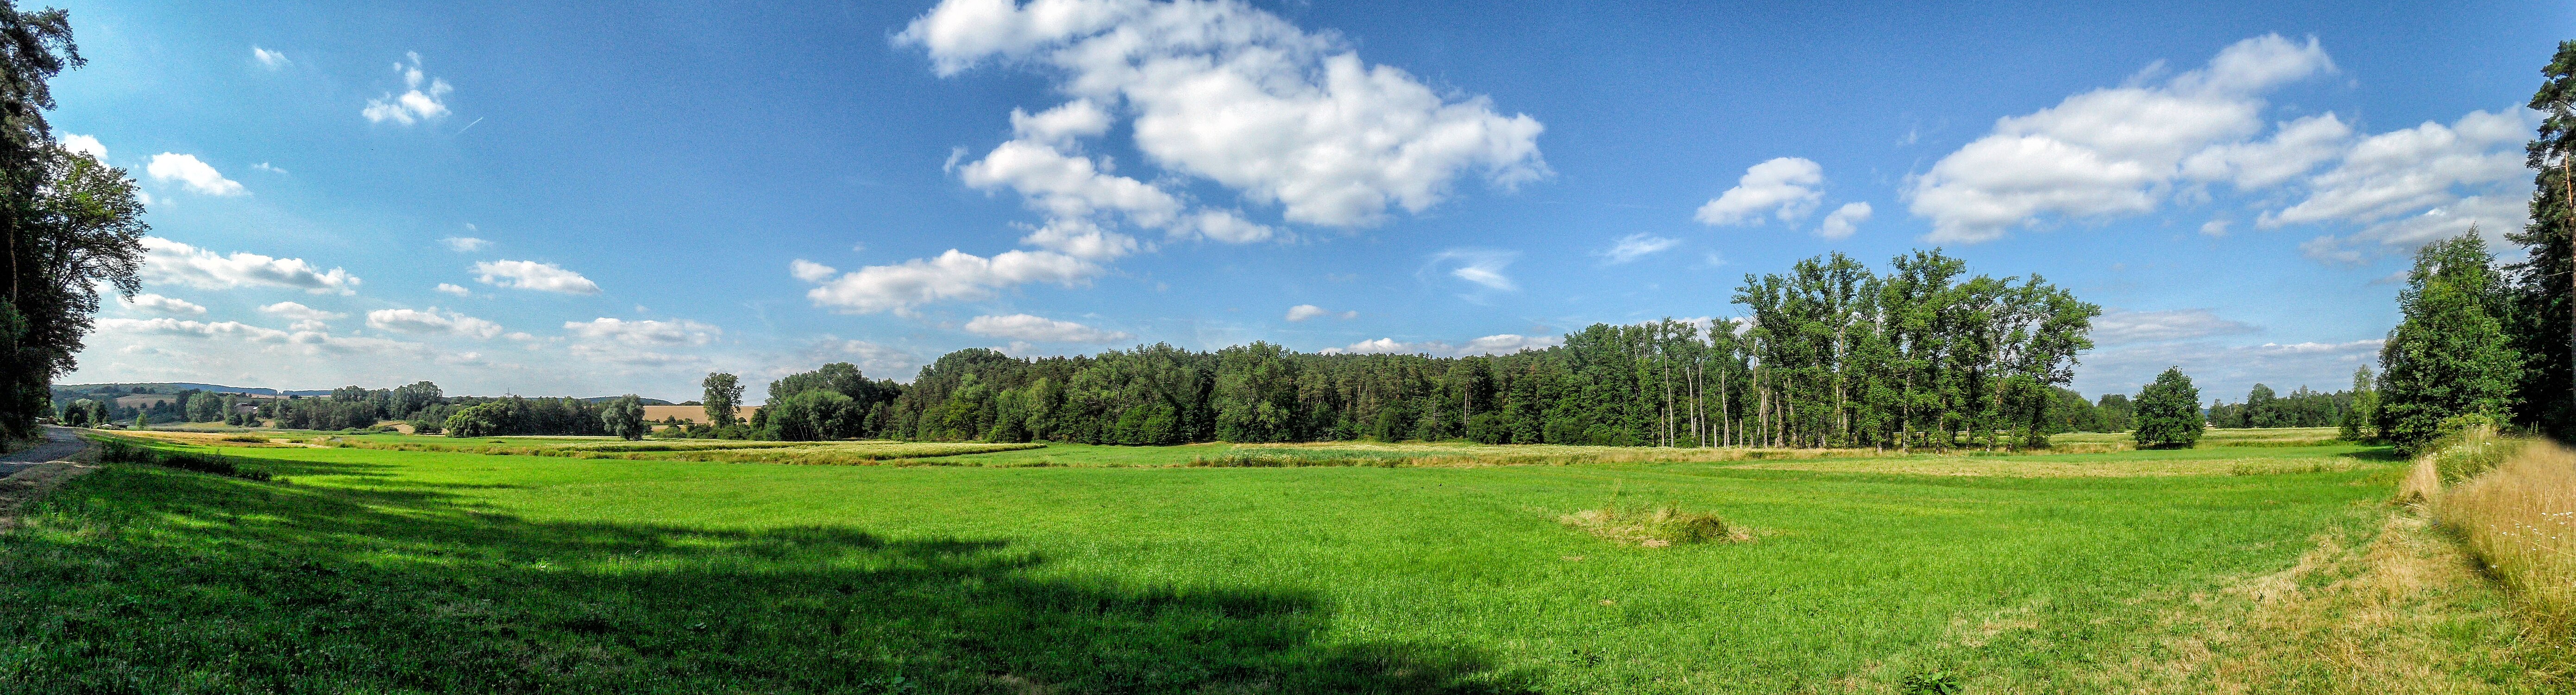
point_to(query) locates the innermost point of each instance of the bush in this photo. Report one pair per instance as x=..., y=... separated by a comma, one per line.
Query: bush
x=121, y=451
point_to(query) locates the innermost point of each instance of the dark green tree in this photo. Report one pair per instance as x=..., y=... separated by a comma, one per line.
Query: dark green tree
x=68, y=223
x=624, y=417
x=722, y=398
x=2449, y=355
x=2168, y=412
x=2544, y=321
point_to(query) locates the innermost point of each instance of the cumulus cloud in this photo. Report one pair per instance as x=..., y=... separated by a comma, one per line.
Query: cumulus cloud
x=1503, y=344
x=2412, y=186
x=1041, y=329
x=174, y=262
x=298, y=342
x=1079, y=239
x=2120, y=150
x=809, y=271
x=453, y=289
x=1237, y=95
x=465, y=244
x=164, y=305
x=1787, y=188
x=85, y=145
x=2118, y=327
x=1844, y=220
x=1062, y=126
x=532, y=275
x=268, y=58
x=196, y=176
x=1636, y=246
x=423, y=98
x=952, y=276
x=273, y=169
x=300, y=312
x=645, y=332
x=433, y=322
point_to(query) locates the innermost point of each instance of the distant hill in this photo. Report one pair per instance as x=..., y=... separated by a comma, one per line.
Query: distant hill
x=178, y=386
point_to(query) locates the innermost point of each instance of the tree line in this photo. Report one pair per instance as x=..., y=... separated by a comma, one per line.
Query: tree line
x=1833, y=353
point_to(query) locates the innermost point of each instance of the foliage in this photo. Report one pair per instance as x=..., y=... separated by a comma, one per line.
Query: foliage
x=624, y=418
x=2449, y=355
x=1833, y=355
x=68, y=223
x=2357, y=423
x=2542, y=300
x=2168, y=412
x=723, y=397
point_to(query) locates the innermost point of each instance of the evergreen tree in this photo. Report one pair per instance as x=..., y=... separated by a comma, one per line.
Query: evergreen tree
x=2168, y=412
x=2449, y=356
x=2544, y=321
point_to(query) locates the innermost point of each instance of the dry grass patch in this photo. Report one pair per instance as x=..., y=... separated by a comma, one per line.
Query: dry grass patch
x=2018, y=467
x=2519, y=519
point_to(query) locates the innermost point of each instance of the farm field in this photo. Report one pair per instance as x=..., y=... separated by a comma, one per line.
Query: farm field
x=384, y=570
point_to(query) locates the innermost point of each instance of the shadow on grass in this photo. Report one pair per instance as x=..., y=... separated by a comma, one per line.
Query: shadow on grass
x=136, y=579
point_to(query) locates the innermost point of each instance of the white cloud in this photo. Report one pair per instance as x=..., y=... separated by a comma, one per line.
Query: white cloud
x=629, y=356
x=1302, y=312
x=2295, y=148
x=1237, y=95
x=164, y=305
x=1079, y=239
x=293, y=310
x=1636, y=246
x=1041, y=329
x=432, y=321
x=269, y=59
x=2214, y=228
x=454, y=289
x=1061, y=126
x=1843, y=221
x=196, y=176
x=299, y=342
x=1483, y=267
x=809, y=271
x=85, y=145
x=645, y=332
x=465, y=244
x=2225, y=372
x=170, y=261
x=1503, y=344
x=273, y=169
x=2415, y=185
x=532, y=275
x=2119, y=151
x=1786, y=187
x=952, y=276
x=2119, y=327
x=418, y=102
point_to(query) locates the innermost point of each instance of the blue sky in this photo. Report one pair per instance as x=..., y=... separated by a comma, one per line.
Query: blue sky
x=507, y=199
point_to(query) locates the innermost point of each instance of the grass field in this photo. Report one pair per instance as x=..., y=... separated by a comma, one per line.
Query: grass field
x=383, y=570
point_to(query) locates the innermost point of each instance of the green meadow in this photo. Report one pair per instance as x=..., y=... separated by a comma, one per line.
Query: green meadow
x=373, y=570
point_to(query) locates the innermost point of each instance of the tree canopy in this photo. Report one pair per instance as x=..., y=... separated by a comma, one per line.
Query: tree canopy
x=2168, y=412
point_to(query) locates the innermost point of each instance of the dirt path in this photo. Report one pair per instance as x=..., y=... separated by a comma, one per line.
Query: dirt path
x=27, y=475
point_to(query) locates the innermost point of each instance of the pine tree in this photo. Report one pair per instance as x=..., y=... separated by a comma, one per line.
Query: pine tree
x=2541, y=325
x=2168, y=412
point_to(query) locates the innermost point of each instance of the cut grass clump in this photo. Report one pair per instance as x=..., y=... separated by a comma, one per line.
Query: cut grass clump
x=1654, y=526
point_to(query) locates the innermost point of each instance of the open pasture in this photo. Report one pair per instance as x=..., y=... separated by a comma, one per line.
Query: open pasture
x=383, y=570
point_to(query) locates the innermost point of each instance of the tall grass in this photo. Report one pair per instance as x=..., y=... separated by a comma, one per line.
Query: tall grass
x=2519, y=518
x=115, y=450
x=2513, y=503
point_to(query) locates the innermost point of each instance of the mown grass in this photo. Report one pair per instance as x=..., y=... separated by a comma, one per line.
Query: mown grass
x=420, y=571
